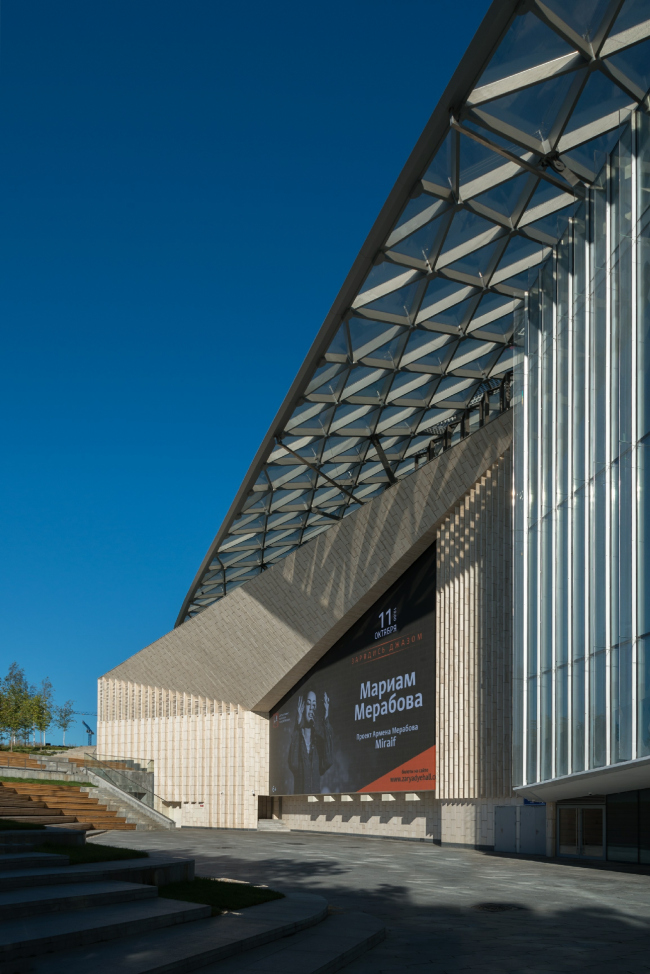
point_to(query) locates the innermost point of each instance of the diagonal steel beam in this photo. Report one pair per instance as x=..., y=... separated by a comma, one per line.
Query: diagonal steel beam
x=383, y=459
x=320, y=472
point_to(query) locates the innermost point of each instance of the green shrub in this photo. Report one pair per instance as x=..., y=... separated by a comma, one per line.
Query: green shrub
x=218, y=894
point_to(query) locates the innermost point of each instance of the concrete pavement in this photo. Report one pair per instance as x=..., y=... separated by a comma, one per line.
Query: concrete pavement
x=446, y=910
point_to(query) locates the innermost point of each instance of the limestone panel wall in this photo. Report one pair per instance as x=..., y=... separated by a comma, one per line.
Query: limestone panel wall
x=210, y=757
x=474, y=641
x=401, y=818
x=470, y=822
x=254, y=645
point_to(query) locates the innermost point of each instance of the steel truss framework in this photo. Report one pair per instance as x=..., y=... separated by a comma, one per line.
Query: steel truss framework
x=421, y=334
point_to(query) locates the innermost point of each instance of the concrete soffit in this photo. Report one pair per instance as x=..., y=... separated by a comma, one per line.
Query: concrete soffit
x=626, y=776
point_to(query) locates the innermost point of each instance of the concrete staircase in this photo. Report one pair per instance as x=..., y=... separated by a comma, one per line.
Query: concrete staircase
x=43, y=804
x=135, y=813
x=272, y=825
x=108, y=918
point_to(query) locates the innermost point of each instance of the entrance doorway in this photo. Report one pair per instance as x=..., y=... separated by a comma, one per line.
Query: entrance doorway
x=581, y=831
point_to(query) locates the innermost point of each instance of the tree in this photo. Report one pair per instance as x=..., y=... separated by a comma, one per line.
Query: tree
x=64, y=716
x=16, y=710
x=43, y=707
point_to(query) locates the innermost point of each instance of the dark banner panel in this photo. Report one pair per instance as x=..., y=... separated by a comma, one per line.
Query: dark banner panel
x=363, y=718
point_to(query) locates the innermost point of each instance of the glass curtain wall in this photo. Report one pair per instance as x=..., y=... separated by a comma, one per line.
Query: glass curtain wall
x=582, y=665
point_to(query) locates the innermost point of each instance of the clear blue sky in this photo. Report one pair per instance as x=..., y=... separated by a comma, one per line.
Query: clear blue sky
x=183, y=187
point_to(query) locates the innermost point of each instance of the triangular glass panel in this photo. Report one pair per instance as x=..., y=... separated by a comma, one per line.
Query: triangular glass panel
x=414, y=388
x=583, y=16
x=634, y=63
x=343, y=448
x=281, y=537
x=329, y=390
x=593, y=154
x=443, y=299
x=491, y=307
x=452, y=386
x=323, y=375
x=500, y=328
x=497, y=140
x=370, y=384
x=480, y=366
x=397, y=303
x=555, y=223
x=420, y=210
x=600, y=97
x=420, y=244
x=506, y=361
x=367, y=335
x=296, y=499
x=480, y=167
x=546, y=198
x=253, y=504
x=427, y=352
x=394, y=446
x=465, y=227
x=286, y=520
x=386, y=356
x=504, y=197
x=436, y=419
x=283, y=474
x=382, y=273
x=633, y=12
x=309, y=451
x=533, y=110
x=262, y=482
x=468, y=354
x=275, y=554
x=523, y=281
x=398, y=419
x=478, y=262
x=343, y=473
x=338, y=347
x=309, y=417
x=354, y=419
x=529, y=42
x=439, y=170
x=520, y=249
x=242, y=525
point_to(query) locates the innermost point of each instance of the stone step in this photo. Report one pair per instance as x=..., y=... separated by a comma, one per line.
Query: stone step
x=155, y=871
x=323, y=949
x=189, y=949
x=31, y=860
x=52, y=819
x=22, y=840
x=30, y=936
x=39, y=900
x=272, y=825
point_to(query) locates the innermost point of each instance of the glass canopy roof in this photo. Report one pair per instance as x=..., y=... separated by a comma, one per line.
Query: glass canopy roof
x=423, y=325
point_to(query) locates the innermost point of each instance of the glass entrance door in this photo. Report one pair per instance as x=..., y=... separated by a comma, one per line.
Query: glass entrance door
x=580, y=831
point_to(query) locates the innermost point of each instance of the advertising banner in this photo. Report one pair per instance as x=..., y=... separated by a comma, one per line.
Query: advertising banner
x=363, y=718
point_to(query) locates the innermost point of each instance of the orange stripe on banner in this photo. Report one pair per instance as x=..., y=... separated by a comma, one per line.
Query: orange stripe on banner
x=416, y=774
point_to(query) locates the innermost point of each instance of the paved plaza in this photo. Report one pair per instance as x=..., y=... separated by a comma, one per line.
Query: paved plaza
x=446, y=910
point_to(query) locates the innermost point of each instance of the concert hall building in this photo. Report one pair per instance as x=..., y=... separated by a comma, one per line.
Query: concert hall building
x=426, y=614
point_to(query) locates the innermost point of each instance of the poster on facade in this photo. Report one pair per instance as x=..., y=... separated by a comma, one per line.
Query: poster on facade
x=363, y=718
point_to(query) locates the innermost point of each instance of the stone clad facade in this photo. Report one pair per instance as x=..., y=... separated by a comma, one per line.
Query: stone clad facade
x=196, y=701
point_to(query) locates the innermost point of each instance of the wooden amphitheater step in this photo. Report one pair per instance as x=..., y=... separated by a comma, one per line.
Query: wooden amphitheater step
x=9, y=760
x=55, y=805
